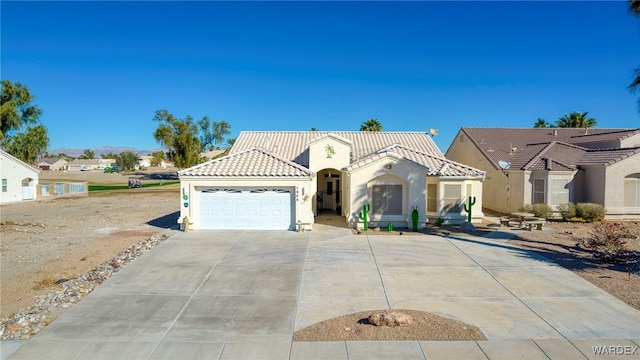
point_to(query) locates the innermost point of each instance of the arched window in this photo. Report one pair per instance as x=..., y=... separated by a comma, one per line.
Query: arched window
x=632, y=191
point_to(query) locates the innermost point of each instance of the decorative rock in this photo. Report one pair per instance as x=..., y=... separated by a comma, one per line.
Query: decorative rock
x=392, y=318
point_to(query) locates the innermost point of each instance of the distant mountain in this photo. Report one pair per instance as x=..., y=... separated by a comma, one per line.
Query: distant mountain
x=98, y=151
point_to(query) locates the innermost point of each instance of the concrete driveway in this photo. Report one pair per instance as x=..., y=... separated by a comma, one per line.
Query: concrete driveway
x=242, y=294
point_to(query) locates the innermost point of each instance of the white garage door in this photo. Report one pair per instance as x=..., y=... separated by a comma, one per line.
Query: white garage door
x=250, y=209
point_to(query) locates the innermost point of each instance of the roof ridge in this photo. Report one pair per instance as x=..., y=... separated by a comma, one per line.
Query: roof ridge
x=538, y=155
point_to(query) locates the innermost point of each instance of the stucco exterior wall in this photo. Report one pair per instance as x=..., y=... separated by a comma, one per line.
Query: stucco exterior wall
x=15, y=171
x=614, y=188
x=387, y=171
x=319, y=158
x=304, y=189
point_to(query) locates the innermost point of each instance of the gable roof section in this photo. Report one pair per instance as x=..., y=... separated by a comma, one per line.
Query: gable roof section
x=248, y=163
x=294, y=145
x=556, y=149
x=607, y=156
x=433, y=165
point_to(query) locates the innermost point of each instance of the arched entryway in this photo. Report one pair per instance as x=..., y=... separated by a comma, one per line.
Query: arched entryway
x=329, y=193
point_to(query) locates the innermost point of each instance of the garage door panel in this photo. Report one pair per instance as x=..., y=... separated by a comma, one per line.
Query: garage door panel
x=245, y=209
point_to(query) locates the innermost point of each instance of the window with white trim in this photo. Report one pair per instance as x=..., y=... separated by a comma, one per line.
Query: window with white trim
x=539, y=190
x=559, y=192
x=452, y=200
x=632, y=191
x=387, y=200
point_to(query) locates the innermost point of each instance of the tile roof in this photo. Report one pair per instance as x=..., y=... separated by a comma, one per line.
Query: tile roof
x=433, y=165
x=293, y=145
x=248, y=163
x=607, y=156
x=555, y=149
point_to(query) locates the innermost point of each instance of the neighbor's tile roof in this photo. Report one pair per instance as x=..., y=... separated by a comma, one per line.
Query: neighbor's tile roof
x=548, y=148
x=293, y=145
x=248, y=163
x=433, y=165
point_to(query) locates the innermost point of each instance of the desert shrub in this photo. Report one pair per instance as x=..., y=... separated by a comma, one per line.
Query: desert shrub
x=567, y=211
x=606, y=241
x=539, y=210
x=590, y=211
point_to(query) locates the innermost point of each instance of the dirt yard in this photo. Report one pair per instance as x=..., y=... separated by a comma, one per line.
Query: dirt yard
x=46, y=241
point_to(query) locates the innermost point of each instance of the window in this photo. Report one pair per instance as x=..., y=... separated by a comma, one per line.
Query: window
x=432, y=197
x=559, y=192
x=387, y=200
x=632, y=191
x=4, y=185
x=452, y=196
x=539, y=191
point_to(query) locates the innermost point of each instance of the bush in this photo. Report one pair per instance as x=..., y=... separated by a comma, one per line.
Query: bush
x=567, y=211
x=539, y=210
x=606, y=241
x=590, y=211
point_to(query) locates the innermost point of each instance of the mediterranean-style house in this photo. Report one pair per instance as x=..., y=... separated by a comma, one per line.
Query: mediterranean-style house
x=284, y=179
x=554, y=166
x=19, y=179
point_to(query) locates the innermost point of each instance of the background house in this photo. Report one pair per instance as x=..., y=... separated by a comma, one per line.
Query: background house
x=555, y=166
x=274, y=180
x=19, y=179
x=53, y=164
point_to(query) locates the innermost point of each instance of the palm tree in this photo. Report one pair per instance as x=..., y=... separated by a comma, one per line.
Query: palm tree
x=371, y=125
x=634, y=7
x=542, y=123
x=576, y=119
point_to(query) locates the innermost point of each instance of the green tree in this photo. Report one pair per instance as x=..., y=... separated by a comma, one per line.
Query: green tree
x=158, y=156
x=29, y=145
x=542, y=123
x=127, y=160
x=180, y=137
x=212, y=135
x=576, y=119
x=371, y=125
x=20, y=133
x=634, y=9
x=314, y=129
x=88, y=154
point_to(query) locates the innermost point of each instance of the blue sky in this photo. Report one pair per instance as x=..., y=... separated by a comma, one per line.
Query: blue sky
x=100, y=70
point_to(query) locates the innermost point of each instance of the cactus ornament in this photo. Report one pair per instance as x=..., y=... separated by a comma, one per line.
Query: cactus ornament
x=414, y=218
x=470, y=203
x=363, y=216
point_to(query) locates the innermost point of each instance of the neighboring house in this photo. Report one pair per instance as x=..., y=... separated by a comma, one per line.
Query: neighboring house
x=19, y=179
x=555, y=166
x=281, y=179
x=144, y=161
x=78, y=164
x=53, y=164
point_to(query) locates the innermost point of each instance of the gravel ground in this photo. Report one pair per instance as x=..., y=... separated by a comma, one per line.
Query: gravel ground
x=45, y=243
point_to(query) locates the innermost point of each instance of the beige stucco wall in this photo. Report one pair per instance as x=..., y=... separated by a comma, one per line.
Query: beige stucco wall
x=614, y=188
x=319, y=159
x=191, y=185
x=387, y=170
x=476, y=188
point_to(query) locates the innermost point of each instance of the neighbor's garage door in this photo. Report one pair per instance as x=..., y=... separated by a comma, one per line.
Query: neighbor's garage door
x=251, y=209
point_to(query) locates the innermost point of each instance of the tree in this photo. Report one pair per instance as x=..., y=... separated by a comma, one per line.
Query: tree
x=127, y=160
x=20, y=133
x=314, y=129
x=88, y=154
x=180, y=137
x=634, y=9
x=542, y=123
x=213, y=133
x=576, y=119
x=158, y=156
x=371, y=125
